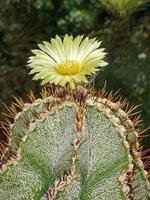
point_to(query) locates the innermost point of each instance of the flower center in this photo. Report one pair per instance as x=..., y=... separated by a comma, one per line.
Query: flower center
x=68, y=67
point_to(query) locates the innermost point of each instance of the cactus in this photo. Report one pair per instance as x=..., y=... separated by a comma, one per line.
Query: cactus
x=72, y=144
x=123, y=8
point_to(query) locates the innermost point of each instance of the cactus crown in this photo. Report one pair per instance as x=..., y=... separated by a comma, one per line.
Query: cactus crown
x=72, y=144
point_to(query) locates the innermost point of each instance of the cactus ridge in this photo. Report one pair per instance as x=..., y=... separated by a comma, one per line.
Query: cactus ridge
x=73, y=146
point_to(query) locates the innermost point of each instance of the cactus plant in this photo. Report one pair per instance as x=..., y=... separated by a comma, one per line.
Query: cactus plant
x=72, y=144
x=123, y=8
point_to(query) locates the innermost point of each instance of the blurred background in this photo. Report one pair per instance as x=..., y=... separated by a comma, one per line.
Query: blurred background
x=122, y=25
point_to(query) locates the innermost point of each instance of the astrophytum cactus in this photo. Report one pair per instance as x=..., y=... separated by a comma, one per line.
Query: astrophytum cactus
x=72, y=144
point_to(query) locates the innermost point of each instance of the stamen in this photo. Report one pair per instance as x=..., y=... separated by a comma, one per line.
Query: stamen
x=68, y=67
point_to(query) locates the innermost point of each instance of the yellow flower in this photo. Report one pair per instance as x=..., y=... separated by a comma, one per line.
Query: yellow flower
x=67, y=61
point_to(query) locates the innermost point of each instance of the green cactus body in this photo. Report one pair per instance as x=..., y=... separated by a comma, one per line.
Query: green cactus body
x=66, y=149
